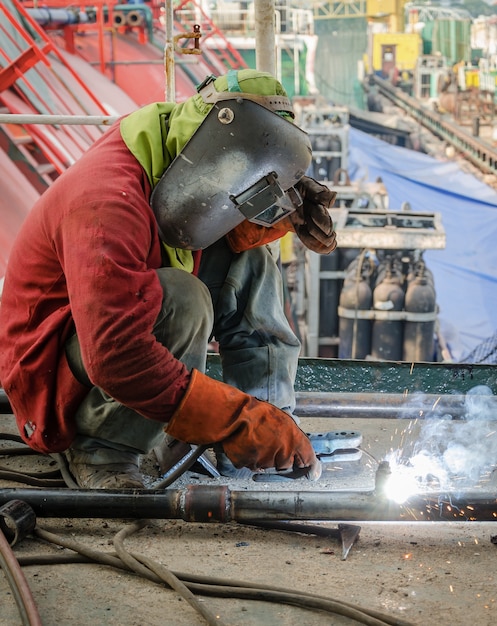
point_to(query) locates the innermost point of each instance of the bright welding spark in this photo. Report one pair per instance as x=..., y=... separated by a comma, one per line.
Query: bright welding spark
x=405, y=481
x=401, y=484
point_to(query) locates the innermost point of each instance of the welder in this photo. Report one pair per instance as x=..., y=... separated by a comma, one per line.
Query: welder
x=157, y=240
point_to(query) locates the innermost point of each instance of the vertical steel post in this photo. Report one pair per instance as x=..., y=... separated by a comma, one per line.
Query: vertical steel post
x=265, y=49
x=170, y=91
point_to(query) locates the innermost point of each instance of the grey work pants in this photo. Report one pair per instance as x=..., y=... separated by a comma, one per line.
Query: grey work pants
x=259, y=351
x=241, y=307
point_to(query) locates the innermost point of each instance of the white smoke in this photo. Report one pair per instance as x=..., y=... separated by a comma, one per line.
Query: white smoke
x=452, y=454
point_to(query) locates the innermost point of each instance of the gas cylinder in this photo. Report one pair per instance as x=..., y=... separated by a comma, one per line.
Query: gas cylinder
x=389, y=263
x=335, y=162
x=419, y=327
x=387, y=331
x=418, y=267
x=320, y=144
x=328, y=296
x=356, y=298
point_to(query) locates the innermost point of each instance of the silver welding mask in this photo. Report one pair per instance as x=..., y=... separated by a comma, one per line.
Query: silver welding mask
x=241, y=163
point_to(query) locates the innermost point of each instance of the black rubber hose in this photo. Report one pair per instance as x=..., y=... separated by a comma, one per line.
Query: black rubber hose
x=35, y=480
x=180, y=467
x=43, y=479
x=23, y=450
x=67, y=477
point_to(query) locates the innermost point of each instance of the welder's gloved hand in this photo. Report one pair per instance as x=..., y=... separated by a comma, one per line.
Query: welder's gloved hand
x=312, y=221
x=253, y=433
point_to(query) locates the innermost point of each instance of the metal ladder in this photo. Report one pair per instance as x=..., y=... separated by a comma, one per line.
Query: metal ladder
x=35, y=78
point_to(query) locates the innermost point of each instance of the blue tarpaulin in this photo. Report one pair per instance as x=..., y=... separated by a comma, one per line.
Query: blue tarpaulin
x=465, y=272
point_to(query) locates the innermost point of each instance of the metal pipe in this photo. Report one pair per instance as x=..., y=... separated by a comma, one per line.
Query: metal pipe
x=17, y=520
x=57, y=17
x=71, y=120
x=144, y=10
x=386, y=405
x=368, y=405
x=200, y=503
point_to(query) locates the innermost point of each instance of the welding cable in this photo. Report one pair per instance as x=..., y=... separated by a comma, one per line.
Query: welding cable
x=123, y=560
x=18, y=584
x=48, y=479
x=164, y=573
x=224, y=588
x=229, y=588
x=23, y=450
x=183, y=465
x=67, y=477
x=39, y=479
x=212, y=586
x=44, y=479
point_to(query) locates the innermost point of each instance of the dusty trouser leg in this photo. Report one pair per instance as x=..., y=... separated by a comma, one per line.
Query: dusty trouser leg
x=111, y=433
x=259, y=351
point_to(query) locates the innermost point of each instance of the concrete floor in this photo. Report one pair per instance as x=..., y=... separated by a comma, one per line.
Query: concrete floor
x=417, y=572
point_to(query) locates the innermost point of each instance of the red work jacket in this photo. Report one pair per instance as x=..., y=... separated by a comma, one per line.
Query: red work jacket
x=85, y=261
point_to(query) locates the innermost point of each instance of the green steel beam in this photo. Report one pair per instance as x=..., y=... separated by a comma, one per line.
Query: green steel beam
x=339, y=9
x=354, y=376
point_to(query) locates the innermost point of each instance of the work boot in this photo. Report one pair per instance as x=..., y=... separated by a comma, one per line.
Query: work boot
x=104, y=476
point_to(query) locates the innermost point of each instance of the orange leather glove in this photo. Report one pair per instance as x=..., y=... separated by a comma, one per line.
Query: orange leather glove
x=254, y=434
x=311, y=220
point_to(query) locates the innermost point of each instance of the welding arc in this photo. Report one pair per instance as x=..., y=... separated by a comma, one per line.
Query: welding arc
x=203, y=585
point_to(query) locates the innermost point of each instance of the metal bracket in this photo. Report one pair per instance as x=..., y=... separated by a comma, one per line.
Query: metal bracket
x=337, y=445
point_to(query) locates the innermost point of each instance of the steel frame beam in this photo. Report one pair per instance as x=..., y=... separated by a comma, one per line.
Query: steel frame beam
x=484, y=157
x=339, y=9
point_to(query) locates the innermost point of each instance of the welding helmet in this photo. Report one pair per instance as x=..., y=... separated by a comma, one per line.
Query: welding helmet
x=241, y=163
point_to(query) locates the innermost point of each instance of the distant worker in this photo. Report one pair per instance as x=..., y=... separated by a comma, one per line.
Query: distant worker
x=151, y=244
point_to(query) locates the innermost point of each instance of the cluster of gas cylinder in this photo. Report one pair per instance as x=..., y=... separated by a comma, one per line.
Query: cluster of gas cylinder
x=387, y=308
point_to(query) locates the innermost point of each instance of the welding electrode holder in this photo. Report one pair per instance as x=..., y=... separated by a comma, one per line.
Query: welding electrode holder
x=17, y=520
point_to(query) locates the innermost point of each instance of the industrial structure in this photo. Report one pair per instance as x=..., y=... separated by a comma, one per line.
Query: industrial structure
x=367, y=316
